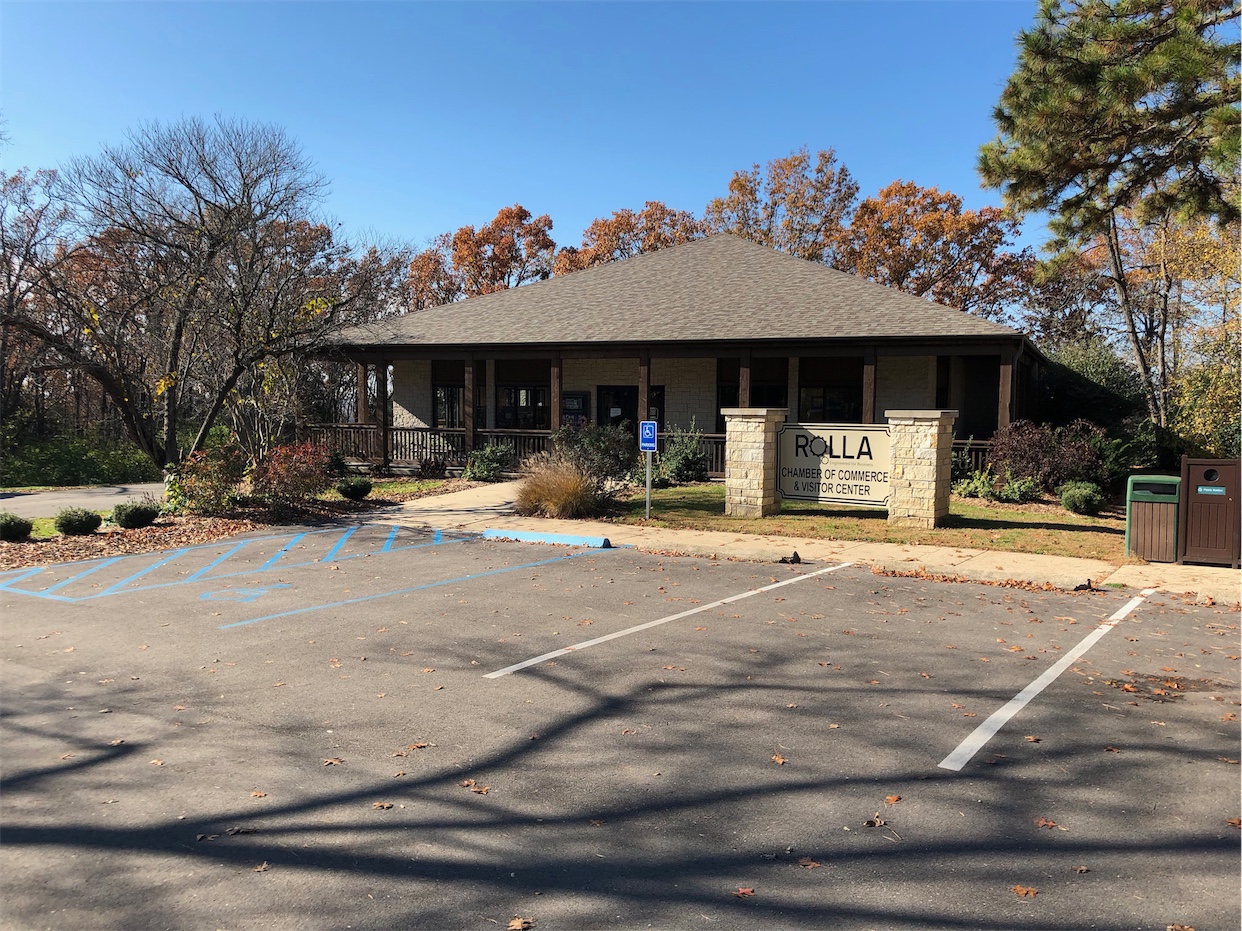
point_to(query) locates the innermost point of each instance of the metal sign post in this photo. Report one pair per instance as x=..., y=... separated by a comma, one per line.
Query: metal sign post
x=647, y=444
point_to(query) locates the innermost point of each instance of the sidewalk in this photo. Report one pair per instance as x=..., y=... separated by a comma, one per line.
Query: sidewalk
x=490, y=507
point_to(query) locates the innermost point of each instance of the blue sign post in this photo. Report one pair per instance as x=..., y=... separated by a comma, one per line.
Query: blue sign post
x=647, y=444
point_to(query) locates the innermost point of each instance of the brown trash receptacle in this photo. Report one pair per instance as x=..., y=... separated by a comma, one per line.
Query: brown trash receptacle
x=1211, y=512
x=1151, y=517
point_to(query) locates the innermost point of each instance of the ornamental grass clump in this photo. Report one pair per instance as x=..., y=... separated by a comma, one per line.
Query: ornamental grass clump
x=559, y=489
x=13, y=528
x=77, y=522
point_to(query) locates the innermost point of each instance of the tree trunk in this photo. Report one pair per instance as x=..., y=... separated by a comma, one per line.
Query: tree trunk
x=1127, y=311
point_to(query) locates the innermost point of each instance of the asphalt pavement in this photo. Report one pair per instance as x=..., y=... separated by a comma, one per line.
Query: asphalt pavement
x=378, y=726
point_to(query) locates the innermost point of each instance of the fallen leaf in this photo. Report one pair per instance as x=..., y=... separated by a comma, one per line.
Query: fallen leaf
x=381, y=806
x=744, y=893
x=262, y=867
x=597, y=822
x=1033, y=739
x=1081, y=869
x=875, y=822
x=1225, y=759
x=519, y=924
x=429, y=669
x=117, y=742
x=474, y=786
x=333, y=761
x=1111, y=749
x=417, y=747
x=833, y=727
x=892, y=799
x=157, y=762
x=807, y=863
x=202, y=837
x=1234, y=822
x=1024, y=891
x=1176, y=927
x=66, y=756
x=1045, y=823
x=778, y=759
x=398, y=774
x=233, y=832
x=258, y=795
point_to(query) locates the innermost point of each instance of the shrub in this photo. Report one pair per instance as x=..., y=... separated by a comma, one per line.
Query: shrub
x=431, y=467
x=683, y=459
x=134, y=514
x=13, y=527
x=978, y=485
x=1049, y=455
x=486, y=464
x=557, y=488
x=1018, y=490
x=355, y=488
x=1082, y=497
x=600, y=453
x=292, y=474
x=77, y=522
x=206, y=482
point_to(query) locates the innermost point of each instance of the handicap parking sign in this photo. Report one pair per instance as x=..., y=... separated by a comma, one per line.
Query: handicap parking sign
x=647, y=436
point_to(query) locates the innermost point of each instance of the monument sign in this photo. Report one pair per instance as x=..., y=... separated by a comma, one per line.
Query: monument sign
x=834, y=463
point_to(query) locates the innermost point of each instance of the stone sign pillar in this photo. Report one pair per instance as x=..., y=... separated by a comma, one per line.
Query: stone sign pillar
x=750, y=460
x=922, y=466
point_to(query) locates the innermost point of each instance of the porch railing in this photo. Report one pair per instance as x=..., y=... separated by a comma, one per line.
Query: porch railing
x=410, y=445
x=975, y=451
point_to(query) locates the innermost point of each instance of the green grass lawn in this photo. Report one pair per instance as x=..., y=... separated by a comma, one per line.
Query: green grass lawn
x=1045, y=528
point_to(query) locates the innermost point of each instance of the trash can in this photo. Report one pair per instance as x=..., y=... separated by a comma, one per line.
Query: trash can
x=1210, y=530
x=1152, y=517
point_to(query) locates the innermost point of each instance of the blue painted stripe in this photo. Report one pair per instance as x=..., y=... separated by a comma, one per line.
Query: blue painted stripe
x=81, y=575
x=561, y=539
x=406, y=591
x=336, y=547
x=194, y=577
x=392, y=535
x=281, y=552
x=20, y=576
x=137, y=575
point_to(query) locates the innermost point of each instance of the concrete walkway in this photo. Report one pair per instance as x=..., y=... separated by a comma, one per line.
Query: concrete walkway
x=490, y=507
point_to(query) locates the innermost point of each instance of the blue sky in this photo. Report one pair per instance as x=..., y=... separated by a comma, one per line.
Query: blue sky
x=428, y=116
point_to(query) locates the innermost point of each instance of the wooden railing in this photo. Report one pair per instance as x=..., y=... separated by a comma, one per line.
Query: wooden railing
x=523, y=443
x=977, y=451
x=411, y=445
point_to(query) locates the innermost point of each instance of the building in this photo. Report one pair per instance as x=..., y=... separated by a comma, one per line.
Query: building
x=674, y=336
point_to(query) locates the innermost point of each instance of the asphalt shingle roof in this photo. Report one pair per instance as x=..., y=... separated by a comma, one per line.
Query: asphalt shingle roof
x=719, y=288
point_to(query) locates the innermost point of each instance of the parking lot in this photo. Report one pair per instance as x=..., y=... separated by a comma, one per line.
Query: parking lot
x=373, y=726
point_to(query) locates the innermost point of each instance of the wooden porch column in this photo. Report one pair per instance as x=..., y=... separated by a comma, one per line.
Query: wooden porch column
x=467, y=403
x=743, y=380
x=644, y=384
x=385, y=428
x=1004, y=402
x=868, y=407
x=555, y=392
x=363, y=410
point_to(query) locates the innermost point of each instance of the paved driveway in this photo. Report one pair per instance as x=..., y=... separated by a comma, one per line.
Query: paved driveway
x=379, y=727
x=95, y=498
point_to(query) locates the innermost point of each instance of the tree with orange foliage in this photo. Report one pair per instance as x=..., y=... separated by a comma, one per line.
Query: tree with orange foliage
x=626, y=234
x=511, y=250
x=795, y=205
x=920, y=240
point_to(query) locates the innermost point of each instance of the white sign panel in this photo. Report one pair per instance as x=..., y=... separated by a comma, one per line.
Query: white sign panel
x=837, y=463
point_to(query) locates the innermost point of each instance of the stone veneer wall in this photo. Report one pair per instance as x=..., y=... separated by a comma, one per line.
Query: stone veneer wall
x=922, y=465
x=411, y=394
x=689, y=392
x=750, y=464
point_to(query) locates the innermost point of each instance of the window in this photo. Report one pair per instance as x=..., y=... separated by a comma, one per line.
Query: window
x=523, y=409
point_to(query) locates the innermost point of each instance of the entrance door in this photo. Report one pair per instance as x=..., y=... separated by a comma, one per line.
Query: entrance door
x=618, y=404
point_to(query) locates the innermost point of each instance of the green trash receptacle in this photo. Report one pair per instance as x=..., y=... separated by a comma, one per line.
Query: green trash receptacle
x=1151, y=517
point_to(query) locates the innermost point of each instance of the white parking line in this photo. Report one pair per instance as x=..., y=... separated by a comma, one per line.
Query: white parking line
x=664, y=620
x=985, y=731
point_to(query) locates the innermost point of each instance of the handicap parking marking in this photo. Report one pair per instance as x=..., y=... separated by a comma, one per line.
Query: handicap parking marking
x=245, y=595
x=417, y=588
x=120, y=575
x=731, y=599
